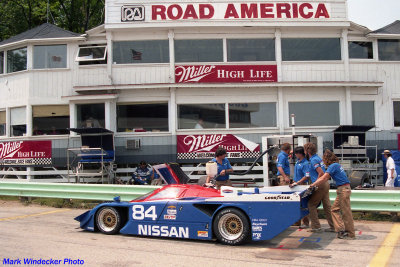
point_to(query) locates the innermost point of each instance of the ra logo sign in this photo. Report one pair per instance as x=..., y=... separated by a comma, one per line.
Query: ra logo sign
x=132, y=13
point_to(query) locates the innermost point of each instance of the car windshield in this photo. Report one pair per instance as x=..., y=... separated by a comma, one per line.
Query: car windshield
x=167, y=193
x=144, y=196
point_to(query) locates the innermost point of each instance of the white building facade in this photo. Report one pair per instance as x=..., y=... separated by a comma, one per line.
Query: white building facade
x=157, y=69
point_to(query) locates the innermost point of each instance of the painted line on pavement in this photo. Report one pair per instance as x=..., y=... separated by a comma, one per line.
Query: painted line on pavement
x=385, y=251
x=32, y=215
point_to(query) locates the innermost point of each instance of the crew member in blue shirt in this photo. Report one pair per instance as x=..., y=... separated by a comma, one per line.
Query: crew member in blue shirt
x=283, y=166
x=341, y=210
x=224, y=167
x=301, y=176
x=143, y=175
x=317, y=169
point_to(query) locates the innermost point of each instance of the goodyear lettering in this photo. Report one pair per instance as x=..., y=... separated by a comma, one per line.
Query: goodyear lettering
x=164, y=231
x=278, y=197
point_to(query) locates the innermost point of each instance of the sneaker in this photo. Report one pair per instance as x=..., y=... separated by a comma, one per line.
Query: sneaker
x=347, y=237
x=315, y=230
x=342, y=234
x=331, y=230
x=304, y=226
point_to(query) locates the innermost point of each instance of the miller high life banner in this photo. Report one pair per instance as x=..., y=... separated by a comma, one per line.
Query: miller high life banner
x=217, y=11
x=29, y=153
x=225, y=73
x=204, y=146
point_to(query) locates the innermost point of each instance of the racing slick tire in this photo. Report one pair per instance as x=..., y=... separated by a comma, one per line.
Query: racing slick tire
x=108, y=220
x=231, y=227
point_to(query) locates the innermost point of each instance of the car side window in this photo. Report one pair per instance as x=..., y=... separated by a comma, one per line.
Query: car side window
x=167, y=193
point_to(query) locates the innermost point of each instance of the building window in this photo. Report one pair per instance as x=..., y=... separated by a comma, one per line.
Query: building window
x=251, y=49
x=18, y=121
x=142, y=117
x=201, y=116
x=90, y=55
x=3, y=121
x=1, y=62
x=252, y=115
x=91, y=115
x=389, y=50
x=363, y=113
x=311, y=49
x=361, y=50
x=315, y=113
x=396, y=109
x=50, y=120
x=198, y=50
x=49, y=56
x=16, y=60
x=141, y=52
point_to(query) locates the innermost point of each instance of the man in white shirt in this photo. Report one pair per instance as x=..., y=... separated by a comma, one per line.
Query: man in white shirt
x=391, y=169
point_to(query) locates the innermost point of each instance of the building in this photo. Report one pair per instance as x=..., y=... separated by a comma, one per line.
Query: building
x=156, y=70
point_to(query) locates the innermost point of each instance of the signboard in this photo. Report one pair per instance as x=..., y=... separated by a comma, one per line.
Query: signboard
x=217, y=11
x=225, y=73
x=204, y=146
x=28, y=153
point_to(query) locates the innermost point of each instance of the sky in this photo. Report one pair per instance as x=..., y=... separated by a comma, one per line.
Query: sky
x=374, y=14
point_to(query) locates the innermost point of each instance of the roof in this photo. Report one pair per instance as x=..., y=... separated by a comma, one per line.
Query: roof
x=44, y=31
x=353, y=129
x=393, y=28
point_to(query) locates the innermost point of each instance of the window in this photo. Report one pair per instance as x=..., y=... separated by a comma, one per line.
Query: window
x=49, y=56
x=1, y=62
x=303, y=49
x=16, y=60
x=88, y=55
x=396, y=109
x=198, y=51
x=141, y=52
x=142, y=117
x=18, y=121
x=252, y=115
x=50, y=120
x=363, y=113
x=389, y=50
x=361, y=50
x=91, y=115
x=251, y=49
x=3, y=123
x=315, y=113
x=199, y=116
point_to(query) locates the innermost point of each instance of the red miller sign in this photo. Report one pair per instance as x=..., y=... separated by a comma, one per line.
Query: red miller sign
x=226, y=73
x=204, y=146
x=25, y=153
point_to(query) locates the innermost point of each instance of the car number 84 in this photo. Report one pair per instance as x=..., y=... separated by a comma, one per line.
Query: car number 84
x=139, y=213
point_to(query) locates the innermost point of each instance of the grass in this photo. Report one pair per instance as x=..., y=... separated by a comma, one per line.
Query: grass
x=54, y=202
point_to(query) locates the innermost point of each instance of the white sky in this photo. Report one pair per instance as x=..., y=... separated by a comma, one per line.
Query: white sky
x=374, y=14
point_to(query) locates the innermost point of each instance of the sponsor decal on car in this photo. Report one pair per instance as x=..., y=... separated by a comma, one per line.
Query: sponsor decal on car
x=171, y=210
x=165, y=231
x=227, y=191
x=278, y=197
x=169, y=217
x=257, y=228
x=202, y=233
x=256, y=236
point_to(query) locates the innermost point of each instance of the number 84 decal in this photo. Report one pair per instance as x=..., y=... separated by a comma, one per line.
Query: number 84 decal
x=139, y=213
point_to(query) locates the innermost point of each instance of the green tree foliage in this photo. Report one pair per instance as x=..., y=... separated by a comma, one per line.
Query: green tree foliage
x=17, y=16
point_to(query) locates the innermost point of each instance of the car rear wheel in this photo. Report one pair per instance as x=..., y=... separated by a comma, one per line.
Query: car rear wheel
x=108, y=220
x=231, y=227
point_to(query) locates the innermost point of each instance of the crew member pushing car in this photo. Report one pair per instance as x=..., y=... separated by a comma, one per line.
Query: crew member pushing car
x=283, y=165
x=341, y=210
x=224, y=167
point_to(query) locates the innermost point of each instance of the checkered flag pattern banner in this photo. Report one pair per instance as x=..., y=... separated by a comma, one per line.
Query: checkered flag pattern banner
x=45, y=161
x=245, y=155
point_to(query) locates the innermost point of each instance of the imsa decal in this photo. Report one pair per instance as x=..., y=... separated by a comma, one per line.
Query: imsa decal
x=165, y=231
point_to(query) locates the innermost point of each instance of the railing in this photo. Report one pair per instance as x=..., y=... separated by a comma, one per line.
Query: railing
x=361, y=200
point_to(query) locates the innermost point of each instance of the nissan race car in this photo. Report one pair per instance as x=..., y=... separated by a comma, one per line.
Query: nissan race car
x=233, y=216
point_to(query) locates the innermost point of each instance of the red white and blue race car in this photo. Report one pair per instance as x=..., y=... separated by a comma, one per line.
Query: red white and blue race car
x=231, y=215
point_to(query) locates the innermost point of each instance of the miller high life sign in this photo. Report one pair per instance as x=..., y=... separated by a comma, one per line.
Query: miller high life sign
x=26, y=153
x=225, y=73
x=217, y=11
x=204, y=146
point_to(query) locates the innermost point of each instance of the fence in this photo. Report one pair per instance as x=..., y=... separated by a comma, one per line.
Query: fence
x=361, y=200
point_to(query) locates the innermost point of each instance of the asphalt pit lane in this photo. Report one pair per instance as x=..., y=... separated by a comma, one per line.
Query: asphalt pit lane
x=365, y=237
x=310, y=245
x=278, y=254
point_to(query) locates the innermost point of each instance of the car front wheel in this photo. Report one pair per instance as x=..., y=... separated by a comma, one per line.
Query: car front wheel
x=231, y=227
x=108, y=220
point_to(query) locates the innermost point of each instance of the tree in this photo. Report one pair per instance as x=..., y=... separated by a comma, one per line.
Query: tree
x=74, y=15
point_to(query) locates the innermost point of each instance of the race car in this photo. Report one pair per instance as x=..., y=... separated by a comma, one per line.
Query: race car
x=231, y=215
